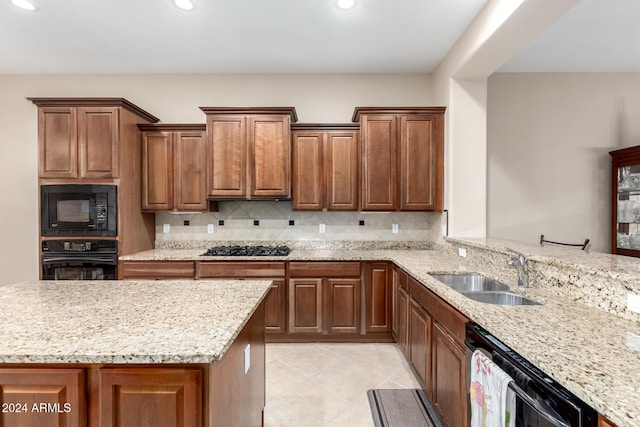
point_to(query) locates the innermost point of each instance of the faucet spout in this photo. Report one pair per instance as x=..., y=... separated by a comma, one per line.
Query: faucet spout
x=520, y=263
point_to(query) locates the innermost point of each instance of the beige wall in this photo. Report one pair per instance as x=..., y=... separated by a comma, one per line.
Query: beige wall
x=174, y=99
x=548, y=164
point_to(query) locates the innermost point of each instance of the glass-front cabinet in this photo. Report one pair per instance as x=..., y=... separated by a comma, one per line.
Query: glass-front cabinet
x=625, y=208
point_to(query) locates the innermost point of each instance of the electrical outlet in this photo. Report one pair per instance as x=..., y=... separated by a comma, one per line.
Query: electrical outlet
x=633, y=303
x=462, y=252
x=321, y=228
x=394, y=228
x=166, y=228
x=247, y=358
x=210, y=228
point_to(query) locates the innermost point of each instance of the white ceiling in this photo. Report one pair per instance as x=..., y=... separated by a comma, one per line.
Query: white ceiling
x=594, y=36
x=231, y=36
x=294, y=36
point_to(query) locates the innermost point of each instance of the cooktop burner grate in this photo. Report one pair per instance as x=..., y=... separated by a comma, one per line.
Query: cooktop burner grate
x=248, y=251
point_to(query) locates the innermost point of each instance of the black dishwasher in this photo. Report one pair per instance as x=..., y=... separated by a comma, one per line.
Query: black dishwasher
x=540, y=400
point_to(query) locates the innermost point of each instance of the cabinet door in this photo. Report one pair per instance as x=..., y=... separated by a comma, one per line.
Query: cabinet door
x=420, y=343
x=449, y=394
x=131, y=397
x=157, y=171
x=402, y=328
x=341, y=166
x=190, y=172
x=378, y=297
x=305, y=305
x=227, y=155
x=98, y=142
x=57, y=142
x=275, y=308
x=395, y=286
x=379, y=162
x=418, y=151
x=269, y=156
x=342, y=305
x=58, y=396
x=308, y=171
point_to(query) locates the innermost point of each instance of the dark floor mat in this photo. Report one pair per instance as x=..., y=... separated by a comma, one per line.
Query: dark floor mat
x=402, y=408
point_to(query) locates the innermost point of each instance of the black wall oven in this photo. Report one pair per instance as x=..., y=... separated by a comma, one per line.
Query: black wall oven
x=78, y=210
x=79, y=260
x=540, y=401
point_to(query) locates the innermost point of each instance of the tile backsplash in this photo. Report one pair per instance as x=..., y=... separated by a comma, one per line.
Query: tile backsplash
x=274, y=224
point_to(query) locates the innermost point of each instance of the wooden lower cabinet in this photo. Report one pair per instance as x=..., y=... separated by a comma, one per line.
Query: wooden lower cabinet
x=324, y=305
x=305, y=306
x=161, y=397
x=157, y=270
x=42, y=397
x=419, y=344
x=378, y=297
x=449, y=382
x=275, y=308
x=603, y=422
x=342, y=306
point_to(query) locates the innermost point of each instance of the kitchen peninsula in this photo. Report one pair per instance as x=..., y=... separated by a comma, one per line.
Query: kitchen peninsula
x=589, y=350
x=103, y=353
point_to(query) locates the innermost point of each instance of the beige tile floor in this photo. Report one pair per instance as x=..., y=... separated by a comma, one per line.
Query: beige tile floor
x=325, y=384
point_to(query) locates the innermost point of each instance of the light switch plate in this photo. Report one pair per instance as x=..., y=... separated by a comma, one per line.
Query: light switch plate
x=247, y=358
x=321, y=228
x=394, y=228
x=633, y=303
x=210, y=228
x=166, y=228
x=462, y=252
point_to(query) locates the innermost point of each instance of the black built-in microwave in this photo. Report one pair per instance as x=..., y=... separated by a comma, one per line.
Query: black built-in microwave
x=78, y=210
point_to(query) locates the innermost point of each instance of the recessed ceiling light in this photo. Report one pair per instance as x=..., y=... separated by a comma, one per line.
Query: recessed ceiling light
x=25, y=4
x=184, y=4
x=346, y=4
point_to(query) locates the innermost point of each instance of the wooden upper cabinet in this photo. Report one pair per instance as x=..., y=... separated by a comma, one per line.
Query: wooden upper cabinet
x=98, y=142
x=58, y=142
x=174, y=168
x=379, y=163
x=248, y=152
x=78, y=142
x=402, y=158
x=227, y=155
x=79, y=138
x=270, y=156
x=325, y=167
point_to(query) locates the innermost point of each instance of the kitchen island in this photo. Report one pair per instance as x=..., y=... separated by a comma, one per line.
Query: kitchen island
x=128, y=353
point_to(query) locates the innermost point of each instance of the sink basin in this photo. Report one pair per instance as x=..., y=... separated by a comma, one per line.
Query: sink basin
x=500, y=298
x=470, y=282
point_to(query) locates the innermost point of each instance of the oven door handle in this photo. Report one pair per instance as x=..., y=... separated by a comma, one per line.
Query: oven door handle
x=102, y=260
x=542, y=407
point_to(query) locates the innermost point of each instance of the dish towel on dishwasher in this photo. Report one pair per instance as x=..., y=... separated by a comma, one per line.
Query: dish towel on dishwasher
x=493, y=403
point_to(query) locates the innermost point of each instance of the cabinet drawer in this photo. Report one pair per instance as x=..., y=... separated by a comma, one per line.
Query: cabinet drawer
x=232, y=269
x=158, y=270
x=324, y=269
x=403, y=280
x=446, y=315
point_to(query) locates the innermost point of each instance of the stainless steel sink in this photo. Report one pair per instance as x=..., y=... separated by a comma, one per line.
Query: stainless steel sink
x=470, y=282
x=500, y=298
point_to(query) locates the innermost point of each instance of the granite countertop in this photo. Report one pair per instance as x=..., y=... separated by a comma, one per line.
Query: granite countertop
x=124, y=321
x=594, y=354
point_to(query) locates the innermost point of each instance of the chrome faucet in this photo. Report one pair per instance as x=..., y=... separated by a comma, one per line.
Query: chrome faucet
x=520, y=262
